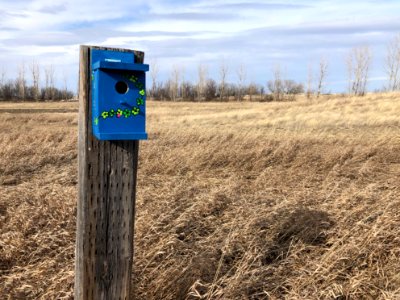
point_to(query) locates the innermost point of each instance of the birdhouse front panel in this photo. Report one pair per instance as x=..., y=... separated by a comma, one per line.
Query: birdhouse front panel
x=118, y=96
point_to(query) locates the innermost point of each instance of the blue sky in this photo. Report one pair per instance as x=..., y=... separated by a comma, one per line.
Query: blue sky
x=256, y=34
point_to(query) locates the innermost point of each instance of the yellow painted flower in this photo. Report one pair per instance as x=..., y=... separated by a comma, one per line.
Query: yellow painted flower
x=135, y=111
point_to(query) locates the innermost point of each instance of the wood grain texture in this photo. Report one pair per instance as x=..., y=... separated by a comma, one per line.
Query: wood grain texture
x=106, y=202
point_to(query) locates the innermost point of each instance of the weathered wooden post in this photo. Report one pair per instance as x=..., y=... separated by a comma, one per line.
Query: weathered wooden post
x=111, y=121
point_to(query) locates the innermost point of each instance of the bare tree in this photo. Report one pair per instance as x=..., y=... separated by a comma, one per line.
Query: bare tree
x=392, y=64
x=154, y=70
x=3, y=76
x=358, y=65
x=65, y=88
x=174, y=87
x=276, y=84
x=252, y=90
x=46, y=84
x=21, y=81
x=34, y=68
x=182, y=72
x=322, y=72
x=2, y=82
x=202, y=72
x=210, y=89
x=223, y=73
x=49, y=82
x=188, y=91
x=241, y=73
x=310, y=79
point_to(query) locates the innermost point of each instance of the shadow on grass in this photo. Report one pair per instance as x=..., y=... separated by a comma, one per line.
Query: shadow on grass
x=302, y=225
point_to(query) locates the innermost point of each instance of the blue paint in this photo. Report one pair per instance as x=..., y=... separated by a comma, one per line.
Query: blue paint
x=118, y=96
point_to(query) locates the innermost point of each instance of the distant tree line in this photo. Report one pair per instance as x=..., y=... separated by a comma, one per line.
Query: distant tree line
x=211, y=90
x=19, y=90
x=176, y=88
x=279, y=88
x=42, y=87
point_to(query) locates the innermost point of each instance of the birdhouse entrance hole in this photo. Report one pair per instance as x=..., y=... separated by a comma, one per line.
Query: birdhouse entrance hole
x=121, y=87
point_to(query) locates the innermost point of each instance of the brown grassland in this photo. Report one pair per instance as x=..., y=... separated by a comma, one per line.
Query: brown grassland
x=294, y=200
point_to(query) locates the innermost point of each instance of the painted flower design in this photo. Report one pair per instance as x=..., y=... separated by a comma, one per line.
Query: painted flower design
x=135, y=111
x=120, y=112
x=142, y=92
x=132, y=78
x=140, y=101
x=127, y=113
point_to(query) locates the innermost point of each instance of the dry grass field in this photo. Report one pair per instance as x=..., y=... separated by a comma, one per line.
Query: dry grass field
x=295, y=200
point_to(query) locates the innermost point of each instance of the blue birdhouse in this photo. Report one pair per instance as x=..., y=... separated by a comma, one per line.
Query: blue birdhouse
x=118, y=96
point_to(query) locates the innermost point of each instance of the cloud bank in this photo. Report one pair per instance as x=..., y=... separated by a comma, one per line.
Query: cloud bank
x=258, y=34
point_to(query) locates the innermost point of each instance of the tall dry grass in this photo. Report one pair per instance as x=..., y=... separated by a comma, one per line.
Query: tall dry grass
x=235, y=201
